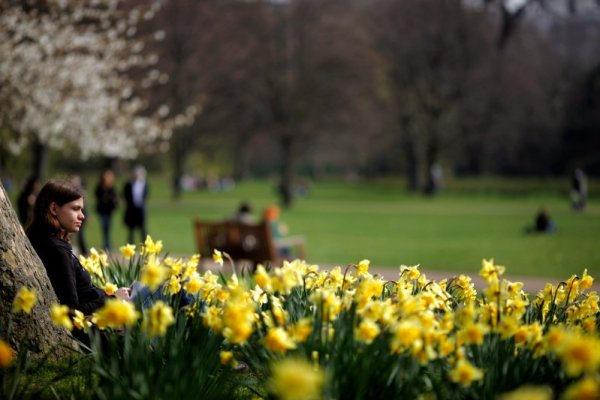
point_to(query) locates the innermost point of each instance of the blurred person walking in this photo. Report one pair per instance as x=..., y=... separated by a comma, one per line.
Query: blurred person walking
x=106, y=203
x=136, y=193
x=579, y=190
x=26, y=200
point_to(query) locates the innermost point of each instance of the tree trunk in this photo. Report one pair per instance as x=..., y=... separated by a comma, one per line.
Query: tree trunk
x=287, y=171
x=178, y=158
x=40, y=160
x=20, y=266
x=411, y=152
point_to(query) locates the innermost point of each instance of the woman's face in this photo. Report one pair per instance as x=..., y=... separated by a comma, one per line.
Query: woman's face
x=70, y=215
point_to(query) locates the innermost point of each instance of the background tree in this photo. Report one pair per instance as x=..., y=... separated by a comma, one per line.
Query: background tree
x=66, y=79
x=315, y=78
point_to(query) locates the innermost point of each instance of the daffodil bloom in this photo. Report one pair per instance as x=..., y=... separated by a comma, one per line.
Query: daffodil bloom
x=362, y=268
x=217, y=257
x=529, y=393
x=262, y=279
x=158, y=319
x=24, y=300
x=110, y=289
x=367, y=331
x=98, y=257
x=7, y=354
x=173, y=265
x=473, y=333
x=238, y=319
x=300, y=330
x=587, y=388
x=153, y=274
x=464, y=373
x=116, y=313
x=580, y=354
x=59, y=314
x=173, y=285
x=80, y=322
x=405, y=333
x=127, y=251
x=586, y=280
x=411, y=273
x=225, y=357
x=491, y=272
x=277, y=339
x=151, y=247
x=507, y=327
x=295, y=379
x=212, y=318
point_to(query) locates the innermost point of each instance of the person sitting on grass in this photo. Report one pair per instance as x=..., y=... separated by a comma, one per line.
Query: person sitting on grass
x=543, y=223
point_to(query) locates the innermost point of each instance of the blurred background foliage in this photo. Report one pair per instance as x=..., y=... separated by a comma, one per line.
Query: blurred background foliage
x=368, y=88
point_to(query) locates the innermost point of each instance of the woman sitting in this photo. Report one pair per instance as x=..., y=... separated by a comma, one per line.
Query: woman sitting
x=57, y=213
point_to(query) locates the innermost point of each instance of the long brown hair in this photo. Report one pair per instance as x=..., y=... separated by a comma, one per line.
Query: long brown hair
x=57, y=191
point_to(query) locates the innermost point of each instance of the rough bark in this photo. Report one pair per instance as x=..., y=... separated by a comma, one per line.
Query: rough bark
x=20, y=266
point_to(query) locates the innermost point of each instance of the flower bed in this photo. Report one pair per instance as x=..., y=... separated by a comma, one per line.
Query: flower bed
x=298, y=332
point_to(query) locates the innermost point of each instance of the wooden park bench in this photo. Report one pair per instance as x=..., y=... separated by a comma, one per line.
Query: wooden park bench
x=252, y=243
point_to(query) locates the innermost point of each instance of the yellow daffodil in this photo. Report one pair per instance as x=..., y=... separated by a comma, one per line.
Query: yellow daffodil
x=587, y=388
x=80, y=321
x=127, y=251
x=367, y=331
x=7, y=354
x=301, y=330
x=491, y=272
x=295, y=379
x=110, y=289
x=153, y=273
x=405, y=333
x=580, y=354
x=173, y=285
x=277, y=339
x=116, y=313
x=59, y=314
x=226, y=357
x=473, y=333
x=151, y=247
x=362, y=267
x=238, y=320
x=262, y=279
x=194, y=284
x=529, y=393
x=586, y=281
x=158, y=319
x=464, y=373
x=217, y=257
x=24, y=300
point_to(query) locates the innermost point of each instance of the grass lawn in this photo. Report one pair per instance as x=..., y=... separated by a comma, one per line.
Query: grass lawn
x=344, y=223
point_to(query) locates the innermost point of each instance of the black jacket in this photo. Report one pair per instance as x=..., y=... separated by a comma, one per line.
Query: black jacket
x=106, y=199
x=71, y=282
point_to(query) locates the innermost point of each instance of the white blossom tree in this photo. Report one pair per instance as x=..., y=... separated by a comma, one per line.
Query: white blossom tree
x=73, y=76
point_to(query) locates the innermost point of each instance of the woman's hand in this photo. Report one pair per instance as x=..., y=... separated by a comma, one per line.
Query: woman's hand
x=123, y=293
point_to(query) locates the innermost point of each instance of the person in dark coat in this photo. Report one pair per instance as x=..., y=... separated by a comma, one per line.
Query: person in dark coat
x=58, y=213
x=27, y=199
x=106, y=203
x=136, y=193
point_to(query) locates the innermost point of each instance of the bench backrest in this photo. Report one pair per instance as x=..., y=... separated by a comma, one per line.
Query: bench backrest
x=241, y=241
